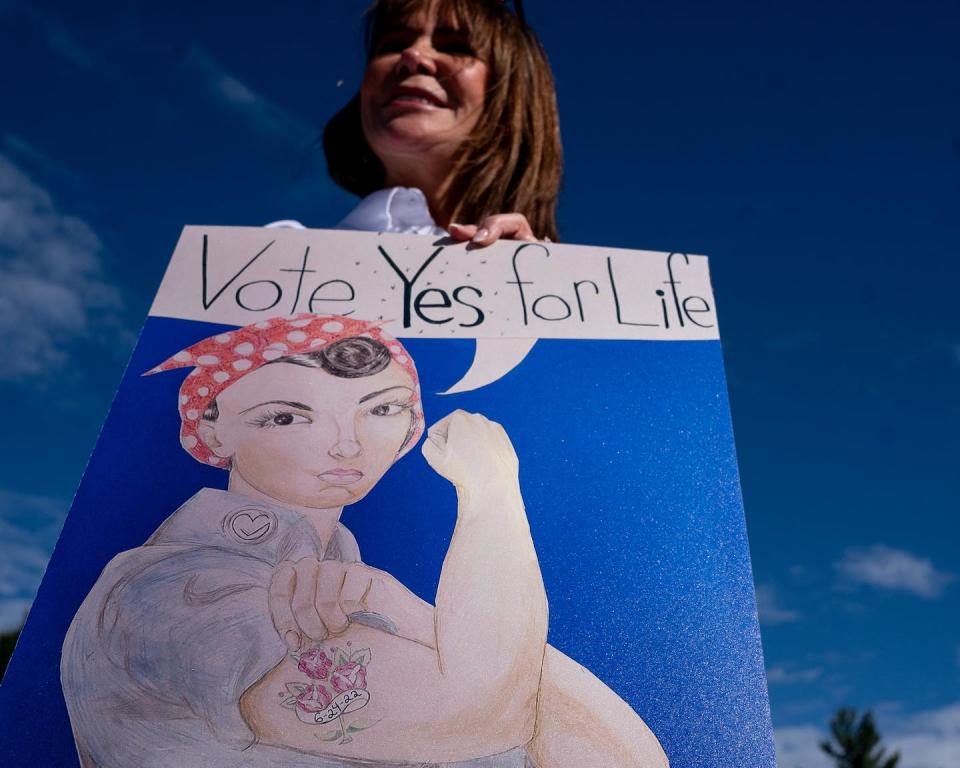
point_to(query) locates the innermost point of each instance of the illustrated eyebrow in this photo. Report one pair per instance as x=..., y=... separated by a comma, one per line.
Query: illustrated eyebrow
x=291, y=403
x=377, y=394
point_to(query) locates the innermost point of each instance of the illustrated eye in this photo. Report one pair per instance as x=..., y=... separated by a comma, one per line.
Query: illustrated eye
x=388, y=409
x=278, y=419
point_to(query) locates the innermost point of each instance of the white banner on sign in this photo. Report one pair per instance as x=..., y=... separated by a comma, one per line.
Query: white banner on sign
x=506, y=296
x=420, y=286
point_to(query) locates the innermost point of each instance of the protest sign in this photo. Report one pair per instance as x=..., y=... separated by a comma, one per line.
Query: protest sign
x=392, y=499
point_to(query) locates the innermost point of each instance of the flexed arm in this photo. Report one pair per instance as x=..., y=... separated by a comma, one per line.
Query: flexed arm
x=581, y=723
x=467, y=684
x=491, y=607
x=478, y=668
x=490, y=574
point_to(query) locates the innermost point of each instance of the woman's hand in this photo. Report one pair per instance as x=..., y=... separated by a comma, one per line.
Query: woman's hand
x=505, y=226
x=313, y=600
x=473, y=453
x=310, y=599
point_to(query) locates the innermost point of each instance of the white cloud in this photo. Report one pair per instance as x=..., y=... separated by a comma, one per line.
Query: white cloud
x=929, y=739
x=285, y=136
x=798, y=747
x=52, y=288
x=770, y=609
x=120, y=56
x=257, y=110
x=887, y=568
x=62, y=41
x=785, y=674
x=926, y=739
x=19, y=147
x=127, y=56
x=29, y=526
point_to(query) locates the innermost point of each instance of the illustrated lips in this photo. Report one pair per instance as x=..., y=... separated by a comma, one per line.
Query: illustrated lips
x=341, y=476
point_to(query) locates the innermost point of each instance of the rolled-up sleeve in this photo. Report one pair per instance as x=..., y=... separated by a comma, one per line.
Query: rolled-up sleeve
x=161, y=650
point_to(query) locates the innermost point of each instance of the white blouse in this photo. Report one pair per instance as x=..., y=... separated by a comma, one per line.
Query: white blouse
x=401, y=210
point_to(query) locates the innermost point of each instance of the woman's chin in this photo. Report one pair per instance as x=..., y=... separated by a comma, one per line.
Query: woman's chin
x=328, y=498
x=310, y=492
x=414, y=132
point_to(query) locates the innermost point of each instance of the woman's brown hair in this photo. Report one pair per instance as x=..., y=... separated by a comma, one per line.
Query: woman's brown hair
x=513, y=160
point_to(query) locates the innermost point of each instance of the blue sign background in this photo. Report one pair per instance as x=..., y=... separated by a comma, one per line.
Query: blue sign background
x=629, y=477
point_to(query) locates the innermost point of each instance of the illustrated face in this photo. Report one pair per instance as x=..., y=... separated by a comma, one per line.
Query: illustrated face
x=423, y=90
x=303, y=436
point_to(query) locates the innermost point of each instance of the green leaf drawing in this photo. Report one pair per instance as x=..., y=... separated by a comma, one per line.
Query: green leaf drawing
x=295, y=689
x=331, y=736
x=341, y=658
x=361, y=657
x=361, y=726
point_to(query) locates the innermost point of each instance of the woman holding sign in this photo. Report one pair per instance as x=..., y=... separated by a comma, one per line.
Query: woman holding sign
x=455, y=128
x=283, y=649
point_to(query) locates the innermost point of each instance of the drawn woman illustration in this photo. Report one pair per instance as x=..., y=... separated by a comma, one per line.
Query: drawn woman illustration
x=247, y=631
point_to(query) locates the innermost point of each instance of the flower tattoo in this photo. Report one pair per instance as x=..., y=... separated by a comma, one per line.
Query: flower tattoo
x=338, y=686
x=315, y=663
x=348, y=676
x=313, y=698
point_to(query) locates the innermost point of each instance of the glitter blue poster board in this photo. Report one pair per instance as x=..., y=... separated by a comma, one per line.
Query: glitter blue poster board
x=604, y=368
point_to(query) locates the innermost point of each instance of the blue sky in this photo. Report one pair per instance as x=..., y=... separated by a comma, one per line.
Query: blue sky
x=812, y=152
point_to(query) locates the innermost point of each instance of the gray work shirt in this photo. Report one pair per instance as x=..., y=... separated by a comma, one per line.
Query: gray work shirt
x=175, y=631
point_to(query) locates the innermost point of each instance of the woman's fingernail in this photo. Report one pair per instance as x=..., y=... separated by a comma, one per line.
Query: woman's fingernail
x=481, y=235
x=454, y=224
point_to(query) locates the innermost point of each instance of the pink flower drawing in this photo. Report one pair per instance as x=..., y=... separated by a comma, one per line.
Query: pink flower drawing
x=314, y=698
x=348, y=677
x=315, y=663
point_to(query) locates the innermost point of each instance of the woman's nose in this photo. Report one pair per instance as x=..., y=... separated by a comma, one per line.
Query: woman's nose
x=345, y=448
x=417, y=58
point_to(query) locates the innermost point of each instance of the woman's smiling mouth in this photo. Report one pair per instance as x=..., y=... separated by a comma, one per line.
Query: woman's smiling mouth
x=341, y=476
x=407, y=95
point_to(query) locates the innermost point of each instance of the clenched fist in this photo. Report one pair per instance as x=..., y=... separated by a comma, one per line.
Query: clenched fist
x=311, y=599
x=473, y=453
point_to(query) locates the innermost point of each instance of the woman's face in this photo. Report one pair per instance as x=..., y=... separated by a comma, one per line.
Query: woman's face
x=423, y=91
x=303, y=436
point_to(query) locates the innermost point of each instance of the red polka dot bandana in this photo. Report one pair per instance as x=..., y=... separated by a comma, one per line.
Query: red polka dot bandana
x=221, y=360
